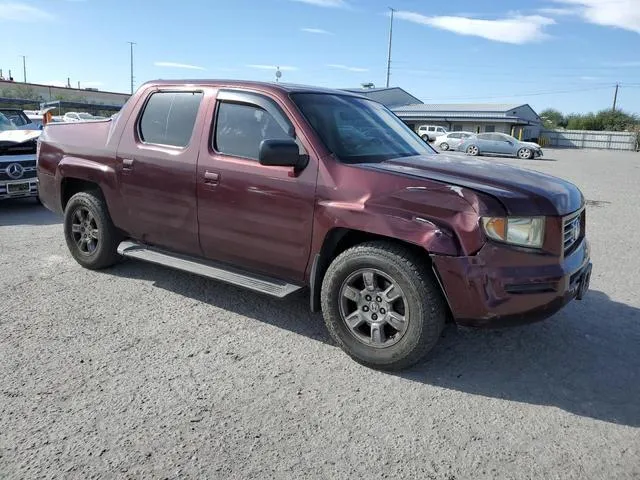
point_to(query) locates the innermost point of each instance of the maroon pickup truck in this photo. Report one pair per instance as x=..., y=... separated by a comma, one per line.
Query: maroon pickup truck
x=276, y=188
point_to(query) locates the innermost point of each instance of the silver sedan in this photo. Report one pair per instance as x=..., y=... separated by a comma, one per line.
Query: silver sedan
x=500, y=144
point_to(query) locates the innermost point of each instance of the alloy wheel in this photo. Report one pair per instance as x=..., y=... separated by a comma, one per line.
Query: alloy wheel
x=85, y=231
x=374, y=308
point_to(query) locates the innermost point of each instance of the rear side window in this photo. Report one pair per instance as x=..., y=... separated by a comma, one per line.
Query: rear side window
x=241, y=128
x=454, y=135
x=169, y=117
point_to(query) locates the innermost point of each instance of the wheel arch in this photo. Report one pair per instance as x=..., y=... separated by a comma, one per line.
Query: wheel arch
x=336, y=241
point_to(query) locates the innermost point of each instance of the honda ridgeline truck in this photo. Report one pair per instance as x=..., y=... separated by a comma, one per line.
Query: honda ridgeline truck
x=276, y=188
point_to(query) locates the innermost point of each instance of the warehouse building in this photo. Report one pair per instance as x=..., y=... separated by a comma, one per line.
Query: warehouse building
x=519, y=120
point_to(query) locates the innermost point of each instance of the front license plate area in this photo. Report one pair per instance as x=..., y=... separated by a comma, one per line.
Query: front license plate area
x=17, y=187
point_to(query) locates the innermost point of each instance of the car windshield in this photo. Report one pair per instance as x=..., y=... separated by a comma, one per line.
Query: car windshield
x=15, y=117
x=357, y=130
x=5, y=123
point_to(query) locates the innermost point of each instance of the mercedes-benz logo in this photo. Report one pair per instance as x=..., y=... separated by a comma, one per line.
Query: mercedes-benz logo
x=15, y=171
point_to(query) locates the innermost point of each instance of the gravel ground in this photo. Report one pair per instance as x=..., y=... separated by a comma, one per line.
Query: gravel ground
x=141, y=371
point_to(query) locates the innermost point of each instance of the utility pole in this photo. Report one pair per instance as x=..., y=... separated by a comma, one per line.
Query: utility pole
x=24, y=67
x=615, y=97
x=390, y=40
x=131, y=44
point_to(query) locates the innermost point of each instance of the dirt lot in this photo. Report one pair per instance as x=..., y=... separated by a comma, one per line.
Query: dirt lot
x=140, y=371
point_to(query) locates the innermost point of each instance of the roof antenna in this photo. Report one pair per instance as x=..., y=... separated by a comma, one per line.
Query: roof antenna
x=278, y=74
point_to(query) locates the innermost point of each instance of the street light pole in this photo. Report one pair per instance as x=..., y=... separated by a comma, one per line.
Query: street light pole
x=24, y=67
x=390, y=40
x=131, y=44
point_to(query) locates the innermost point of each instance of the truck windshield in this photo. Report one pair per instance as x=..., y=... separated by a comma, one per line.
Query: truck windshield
x=357, y=130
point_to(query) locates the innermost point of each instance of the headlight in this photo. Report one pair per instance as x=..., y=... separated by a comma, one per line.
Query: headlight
x=523, y=231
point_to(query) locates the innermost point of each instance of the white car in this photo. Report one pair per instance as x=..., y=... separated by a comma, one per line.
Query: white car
x=74, y=117
x=429, y=132
x=451, y=140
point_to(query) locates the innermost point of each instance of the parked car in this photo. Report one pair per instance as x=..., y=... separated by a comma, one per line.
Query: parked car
x=79, y=117
x=500, y=144
x=430, y=132
x=265, y=186
x=17, y=156
x=451, y=140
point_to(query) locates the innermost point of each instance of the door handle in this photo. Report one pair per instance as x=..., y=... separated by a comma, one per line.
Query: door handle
x=211, y=178
x=127, y=163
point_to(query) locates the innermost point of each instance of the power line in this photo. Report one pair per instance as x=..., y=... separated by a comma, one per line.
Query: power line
x=528, y=94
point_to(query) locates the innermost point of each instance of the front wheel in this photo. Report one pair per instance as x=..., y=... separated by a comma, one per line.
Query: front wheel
x=525, y=153
x=91, y=236
x=473, y=150
x=444, y=146
x=382, y=305
x=425, y=138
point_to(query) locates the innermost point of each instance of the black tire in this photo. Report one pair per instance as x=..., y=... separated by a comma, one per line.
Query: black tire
x=444, y=146
x=425, y=138
x=427, y=311
x=105, y=253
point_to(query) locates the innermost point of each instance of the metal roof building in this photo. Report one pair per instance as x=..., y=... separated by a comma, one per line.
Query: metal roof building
x=519, y=120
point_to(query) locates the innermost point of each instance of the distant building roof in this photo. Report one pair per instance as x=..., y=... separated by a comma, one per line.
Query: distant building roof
x=496, y=112
x=459, y=107
x=391, y=97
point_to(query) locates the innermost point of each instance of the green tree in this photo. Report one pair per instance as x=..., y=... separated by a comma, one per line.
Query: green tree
x=553, y=118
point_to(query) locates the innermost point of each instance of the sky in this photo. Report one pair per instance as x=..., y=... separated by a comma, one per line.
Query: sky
x=564, y=54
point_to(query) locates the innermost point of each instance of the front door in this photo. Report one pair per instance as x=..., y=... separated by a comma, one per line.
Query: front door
x=156, y=164
x=250, y=215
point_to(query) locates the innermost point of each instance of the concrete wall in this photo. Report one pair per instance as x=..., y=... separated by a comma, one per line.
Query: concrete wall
x=48, y=93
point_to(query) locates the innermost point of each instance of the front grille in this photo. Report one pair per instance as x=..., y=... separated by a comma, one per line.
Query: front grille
x=10, y=148
x=28, y=172
x=571, y=231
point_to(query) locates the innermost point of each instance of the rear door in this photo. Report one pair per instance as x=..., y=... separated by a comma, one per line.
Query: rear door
x=485, y=143
x=156, y=167
x=254, y=216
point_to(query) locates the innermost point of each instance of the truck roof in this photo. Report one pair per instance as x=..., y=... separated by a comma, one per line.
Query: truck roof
x=272, y=86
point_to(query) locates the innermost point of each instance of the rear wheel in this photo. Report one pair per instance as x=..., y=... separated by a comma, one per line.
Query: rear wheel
x=444, y=146
x=525, y=153
x=382, y=305
x=91, y=236
x=473, y=150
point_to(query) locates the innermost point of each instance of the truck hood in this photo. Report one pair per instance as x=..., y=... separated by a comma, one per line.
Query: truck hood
x=521, y=191
x=18, y=136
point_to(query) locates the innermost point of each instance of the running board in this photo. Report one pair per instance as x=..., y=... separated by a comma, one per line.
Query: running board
x=209, y=269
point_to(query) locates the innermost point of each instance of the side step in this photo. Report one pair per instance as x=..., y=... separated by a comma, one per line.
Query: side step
x=206, y=268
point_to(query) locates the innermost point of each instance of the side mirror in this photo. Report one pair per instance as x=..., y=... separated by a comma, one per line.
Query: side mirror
x=279, y=153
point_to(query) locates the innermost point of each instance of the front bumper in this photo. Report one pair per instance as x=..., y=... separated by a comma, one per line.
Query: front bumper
x=503, y=285
x=7, y=188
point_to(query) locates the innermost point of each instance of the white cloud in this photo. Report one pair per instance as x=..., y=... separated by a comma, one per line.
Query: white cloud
x=318, y=31
x=283, y=68
x=516, y=29
x=611, y=13
x=325, y=3
x=21, y=12
x=347, y=68
x=178, y=65
x=629, y=64
x=556, y=11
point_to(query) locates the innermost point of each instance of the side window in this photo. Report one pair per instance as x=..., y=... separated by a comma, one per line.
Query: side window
x=484, y=136
x=440, y=129
x=454, y=135
x=169, y=117
x=240, y=128
x=432, y=129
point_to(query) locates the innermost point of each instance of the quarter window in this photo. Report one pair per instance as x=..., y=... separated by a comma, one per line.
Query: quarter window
x=169, y=117
x=241, y=128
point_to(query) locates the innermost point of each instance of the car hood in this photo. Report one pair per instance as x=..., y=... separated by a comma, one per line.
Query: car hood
x=521, y=191
x=533, y=144
x=18, y=136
